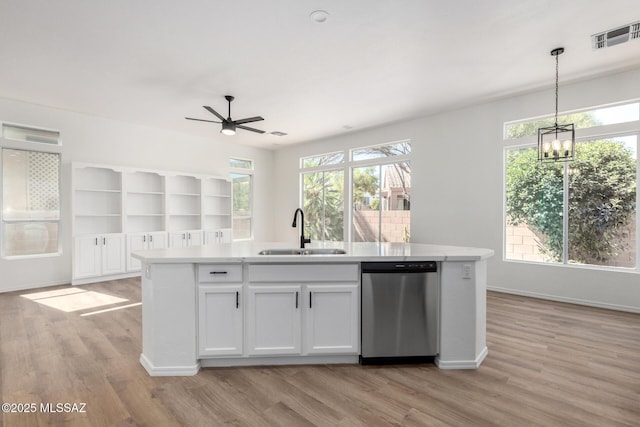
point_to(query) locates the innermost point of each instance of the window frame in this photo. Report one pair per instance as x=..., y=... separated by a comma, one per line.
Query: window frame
x=629, y=128
x=19, y=145
x=249, y=172
x=347, y=166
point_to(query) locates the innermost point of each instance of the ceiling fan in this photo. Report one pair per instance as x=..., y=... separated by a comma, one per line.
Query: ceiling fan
x=229, y=126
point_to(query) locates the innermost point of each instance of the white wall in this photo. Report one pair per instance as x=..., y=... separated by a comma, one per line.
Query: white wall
x=97, y=140
x=457, y=187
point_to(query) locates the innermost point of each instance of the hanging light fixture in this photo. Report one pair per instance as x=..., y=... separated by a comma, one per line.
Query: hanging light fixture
x=557, y=142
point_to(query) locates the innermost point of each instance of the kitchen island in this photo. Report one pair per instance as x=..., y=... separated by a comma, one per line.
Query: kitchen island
x=229, y=305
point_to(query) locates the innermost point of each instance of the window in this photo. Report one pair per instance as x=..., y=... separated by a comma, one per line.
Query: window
x=30, y=202
x=242, y=182
x=381, y=194
x=581, y=212
x=27, y=134
x=378, y=180
x=323, y=204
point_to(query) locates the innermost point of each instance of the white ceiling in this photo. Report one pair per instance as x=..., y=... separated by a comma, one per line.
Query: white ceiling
x=153, y=62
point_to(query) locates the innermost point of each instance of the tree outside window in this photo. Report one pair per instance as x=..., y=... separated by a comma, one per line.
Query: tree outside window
x=598, y=212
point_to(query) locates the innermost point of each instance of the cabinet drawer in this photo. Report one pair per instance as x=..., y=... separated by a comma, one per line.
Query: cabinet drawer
x=220, y=273
x=304, y=272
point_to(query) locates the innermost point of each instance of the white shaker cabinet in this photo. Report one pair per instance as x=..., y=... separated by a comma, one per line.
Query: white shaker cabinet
x=141, y=242
x=181, y=239
x=274, y=319
x=214, y=237
x=98, y=255
x=220, y=310
x=331, y=318
x=220, y=314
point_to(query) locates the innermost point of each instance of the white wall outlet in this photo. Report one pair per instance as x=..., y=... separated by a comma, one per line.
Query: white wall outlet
x=466, y=271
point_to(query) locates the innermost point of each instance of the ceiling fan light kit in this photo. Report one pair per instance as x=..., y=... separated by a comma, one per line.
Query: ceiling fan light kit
x=228, y=128
x=229, y=125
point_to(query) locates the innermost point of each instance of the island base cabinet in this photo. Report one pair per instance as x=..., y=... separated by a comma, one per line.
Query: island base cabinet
x=274, y=320
x=169, y=340
x=303, y=319
x=331, y=319
x=220, y=322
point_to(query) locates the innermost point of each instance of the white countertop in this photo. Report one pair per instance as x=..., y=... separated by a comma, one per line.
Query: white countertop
x=356, y=252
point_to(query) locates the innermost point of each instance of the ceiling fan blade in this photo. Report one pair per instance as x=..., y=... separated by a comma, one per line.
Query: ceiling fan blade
x=214, y=112
x=201, y=120
x=248, y=120
x=248, y=128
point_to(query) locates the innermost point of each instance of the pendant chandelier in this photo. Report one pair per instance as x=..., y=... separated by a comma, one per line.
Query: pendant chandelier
x=557, y=142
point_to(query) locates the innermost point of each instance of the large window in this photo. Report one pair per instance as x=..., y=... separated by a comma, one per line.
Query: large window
x=242, y=181
x=377, y=182
x=30, y=202
x=381, y=195
x=579, y=212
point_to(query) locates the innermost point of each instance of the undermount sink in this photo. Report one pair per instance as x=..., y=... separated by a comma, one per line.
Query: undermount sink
x=315, y=251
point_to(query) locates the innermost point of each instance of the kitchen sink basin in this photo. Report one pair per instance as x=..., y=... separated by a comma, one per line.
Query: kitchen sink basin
x=314, y=251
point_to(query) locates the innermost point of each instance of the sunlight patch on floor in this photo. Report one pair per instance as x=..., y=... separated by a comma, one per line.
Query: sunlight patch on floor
x=73, y=299
x=111, y=309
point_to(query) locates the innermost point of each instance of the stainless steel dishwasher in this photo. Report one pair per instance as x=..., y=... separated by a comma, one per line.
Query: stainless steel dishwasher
x=399, y=306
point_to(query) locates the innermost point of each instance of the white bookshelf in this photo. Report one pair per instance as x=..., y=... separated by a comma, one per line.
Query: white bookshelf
x=216, y=203
x=144, y=202
x=118, y=210
x=97, y=199
x=184, y=202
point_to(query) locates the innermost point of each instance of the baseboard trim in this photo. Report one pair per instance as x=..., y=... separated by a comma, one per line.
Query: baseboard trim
x=34, y=286
x=463, y=364
x=279, y=360
x=96, y=279
x=168, y=371
x=577, y=301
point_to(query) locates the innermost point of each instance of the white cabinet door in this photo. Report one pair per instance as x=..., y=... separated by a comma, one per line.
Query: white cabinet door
x=220, y=330
x=135, y=242
x=143, y=241
x=214, y=237
x=274, y=318
x=225, y=235
x=113, y=254
x=331, y=319
x=178, y=239
x=87, y=256
x=194, y=238
x=157, y=240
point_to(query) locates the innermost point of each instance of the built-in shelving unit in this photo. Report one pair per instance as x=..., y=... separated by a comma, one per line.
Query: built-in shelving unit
x=118, y=210
x=216, y=204
x=97, y=200
x=184, y=203
x=145, y=202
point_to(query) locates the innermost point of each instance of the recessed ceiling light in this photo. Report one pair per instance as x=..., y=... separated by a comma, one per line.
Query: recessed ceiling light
x=319, y=16
x=347, y=127
x=278, y=133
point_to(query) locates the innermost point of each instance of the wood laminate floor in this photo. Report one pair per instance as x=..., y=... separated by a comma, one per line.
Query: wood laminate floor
x=549, y=364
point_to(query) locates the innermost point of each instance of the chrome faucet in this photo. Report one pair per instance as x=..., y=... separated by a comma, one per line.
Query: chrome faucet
x=303, y=240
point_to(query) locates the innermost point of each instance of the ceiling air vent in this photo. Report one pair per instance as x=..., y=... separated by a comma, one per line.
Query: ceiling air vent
x=616, y=36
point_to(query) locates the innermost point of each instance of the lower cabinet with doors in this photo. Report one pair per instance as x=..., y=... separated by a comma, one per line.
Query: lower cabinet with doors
x=98, y=255
x=220, y=310
x=143, y=241
x=181, y=239
x=300, y=310
x=214, y=237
